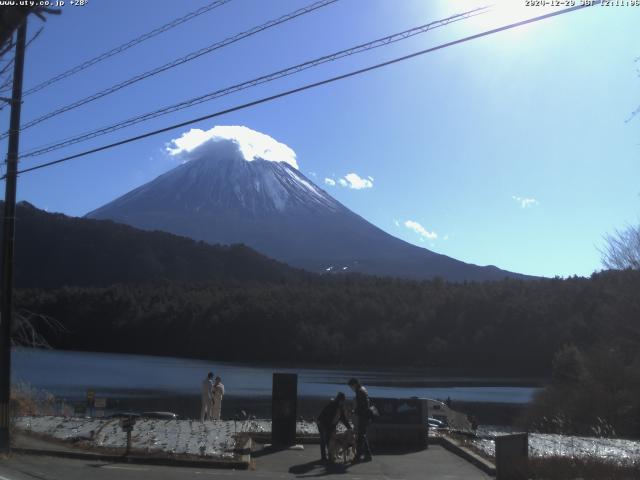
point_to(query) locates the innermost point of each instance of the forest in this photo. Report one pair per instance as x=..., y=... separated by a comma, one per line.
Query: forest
x=509, y=327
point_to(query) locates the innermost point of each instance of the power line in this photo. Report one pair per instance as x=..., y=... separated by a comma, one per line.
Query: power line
x=121, y=48
x=6, y=84
x=256, y=81
x=179, y=61
x=126, y=46
x=304, y=87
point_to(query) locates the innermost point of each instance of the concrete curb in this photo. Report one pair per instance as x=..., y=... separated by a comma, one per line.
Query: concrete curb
x=463, y=452
x=242, y=463
x=265, y=437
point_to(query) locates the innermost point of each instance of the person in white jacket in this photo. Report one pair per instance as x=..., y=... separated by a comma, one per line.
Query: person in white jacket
x=218, y=393
x=207, y=398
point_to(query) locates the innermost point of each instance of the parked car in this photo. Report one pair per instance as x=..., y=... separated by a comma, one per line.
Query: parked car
x=159, y=415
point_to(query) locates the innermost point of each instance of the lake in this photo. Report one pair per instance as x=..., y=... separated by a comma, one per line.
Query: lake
x=70, y=374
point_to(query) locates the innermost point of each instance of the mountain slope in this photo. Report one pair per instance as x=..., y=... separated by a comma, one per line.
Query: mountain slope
x=272, y=207
x=53, y=250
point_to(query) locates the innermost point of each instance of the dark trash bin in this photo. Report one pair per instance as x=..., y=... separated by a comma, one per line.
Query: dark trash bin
x=402, y=423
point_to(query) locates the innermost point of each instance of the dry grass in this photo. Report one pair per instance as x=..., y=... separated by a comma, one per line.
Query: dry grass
x=27, y=400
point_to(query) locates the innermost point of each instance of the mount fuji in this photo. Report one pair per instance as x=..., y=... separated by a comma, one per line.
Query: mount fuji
x=227, y=194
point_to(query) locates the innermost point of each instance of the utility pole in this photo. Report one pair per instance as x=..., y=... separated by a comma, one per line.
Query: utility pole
x=8, y=235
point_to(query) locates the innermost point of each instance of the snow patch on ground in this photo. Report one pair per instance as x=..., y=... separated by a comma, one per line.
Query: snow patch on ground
x=614, y=450
x=211, y=439
x=190, y=437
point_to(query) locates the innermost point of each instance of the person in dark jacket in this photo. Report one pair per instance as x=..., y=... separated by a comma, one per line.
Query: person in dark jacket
x=332, y=414
x=363, y=414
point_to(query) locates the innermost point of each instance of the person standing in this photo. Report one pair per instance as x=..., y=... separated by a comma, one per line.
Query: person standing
x=332, y=414
x=218, y=393
x=207, y=397
x=363, y=414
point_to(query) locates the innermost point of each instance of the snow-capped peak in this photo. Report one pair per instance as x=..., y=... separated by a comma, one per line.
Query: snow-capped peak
x=252, y=144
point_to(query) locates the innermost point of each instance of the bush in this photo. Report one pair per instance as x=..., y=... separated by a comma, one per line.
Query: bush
x=596, y=394
x=27, y=400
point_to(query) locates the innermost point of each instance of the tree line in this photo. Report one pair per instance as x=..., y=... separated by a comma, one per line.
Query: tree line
x=509, y=327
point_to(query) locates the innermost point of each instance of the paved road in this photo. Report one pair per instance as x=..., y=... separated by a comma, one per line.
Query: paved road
x=435, y=463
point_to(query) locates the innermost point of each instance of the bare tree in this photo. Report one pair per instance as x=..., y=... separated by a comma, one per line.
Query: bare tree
x=13, y=16
x=28, y=327
x=6, y=66
x=636, y=112
x=622, y=249
x=10, y=19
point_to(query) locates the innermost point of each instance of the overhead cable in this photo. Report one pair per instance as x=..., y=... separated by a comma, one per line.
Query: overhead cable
x=254, y=82
x=178, y=61
x=126, y=46
x=303, y=88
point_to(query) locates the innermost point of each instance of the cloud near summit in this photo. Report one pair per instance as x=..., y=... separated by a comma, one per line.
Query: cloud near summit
x=420, y=230
x=251, y=144
x=351, y=180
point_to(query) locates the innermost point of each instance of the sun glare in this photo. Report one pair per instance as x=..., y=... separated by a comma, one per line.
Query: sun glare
x=501, y=12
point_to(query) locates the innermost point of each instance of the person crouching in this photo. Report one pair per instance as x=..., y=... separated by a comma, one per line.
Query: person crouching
x=332, y=414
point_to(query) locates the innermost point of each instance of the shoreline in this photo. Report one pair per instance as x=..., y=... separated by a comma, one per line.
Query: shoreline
x=437, y=376
x=188, y=407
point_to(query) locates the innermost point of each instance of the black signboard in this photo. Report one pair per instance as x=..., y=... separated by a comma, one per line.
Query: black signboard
x=284, y=405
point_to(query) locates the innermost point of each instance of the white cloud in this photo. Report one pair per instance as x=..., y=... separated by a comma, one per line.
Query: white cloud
x=329, y=181
x=350, y=180
x=396, y=222
x=420, y=230
x=252, y=144
x=354, y=181
x=525, y=202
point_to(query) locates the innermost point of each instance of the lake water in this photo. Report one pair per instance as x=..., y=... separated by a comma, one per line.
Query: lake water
x=70, y=374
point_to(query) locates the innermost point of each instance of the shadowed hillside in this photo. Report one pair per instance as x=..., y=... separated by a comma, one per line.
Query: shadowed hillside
x=53, y=250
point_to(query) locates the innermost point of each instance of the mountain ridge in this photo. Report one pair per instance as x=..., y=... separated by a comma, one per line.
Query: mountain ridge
x=219, y=197
x=54, y=250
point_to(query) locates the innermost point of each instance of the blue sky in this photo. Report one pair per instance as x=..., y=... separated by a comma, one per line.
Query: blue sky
x=509, y=150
